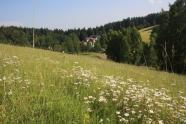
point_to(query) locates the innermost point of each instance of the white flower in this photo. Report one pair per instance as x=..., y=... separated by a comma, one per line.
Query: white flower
x=76, y=62
x=151, y=111
x=117, y=112
x=126, y=114
x=160, y=122
x=89, y=110
x=123, y=120
x=149, y=121
x=130, y=80
x=101, y=120
x=28, y=82
x=133, y=112
x=4, y=78
x=90, y=97
x=157, y=94
x=15, y=57
x=85, y=98
x=10, y=92
x=102, y=99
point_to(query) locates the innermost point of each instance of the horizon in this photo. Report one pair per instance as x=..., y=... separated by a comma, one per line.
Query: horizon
x=77, y=14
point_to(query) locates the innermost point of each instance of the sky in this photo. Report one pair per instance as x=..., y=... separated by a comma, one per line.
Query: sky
x=69, y=14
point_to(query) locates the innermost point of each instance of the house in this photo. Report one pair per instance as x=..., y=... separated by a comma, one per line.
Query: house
x=91, y=40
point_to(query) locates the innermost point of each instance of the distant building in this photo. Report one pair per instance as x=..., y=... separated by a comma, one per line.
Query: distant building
x=91, y=40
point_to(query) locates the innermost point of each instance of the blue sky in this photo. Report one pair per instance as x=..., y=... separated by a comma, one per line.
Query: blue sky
x=66, y=14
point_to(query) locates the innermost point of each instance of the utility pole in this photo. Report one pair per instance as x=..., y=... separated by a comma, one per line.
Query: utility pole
x=33, y=42
x=33, y=30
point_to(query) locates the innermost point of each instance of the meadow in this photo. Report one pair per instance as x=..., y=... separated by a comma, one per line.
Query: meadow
x=40, y=86
x=145, y=33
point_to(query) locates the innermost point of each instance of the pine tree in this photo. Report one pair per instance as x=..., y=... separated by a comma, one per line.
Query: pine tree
x=171, y=42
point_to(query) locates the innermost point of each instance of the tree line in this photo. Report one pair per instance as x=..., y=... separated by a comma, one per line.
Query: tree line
x=59, y=40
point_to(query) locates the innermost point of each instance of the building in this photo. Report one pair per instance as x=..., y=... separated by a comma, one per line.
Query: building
x=91, y=40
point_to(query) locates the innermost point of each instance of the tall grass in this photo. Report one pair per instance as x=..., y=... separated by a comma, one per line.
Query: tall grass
x=38, y=86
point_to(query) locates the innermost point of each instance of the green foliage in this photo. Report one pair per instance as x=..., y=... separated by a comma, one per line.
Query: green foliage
x=149, y=53
x=97, y=47
x=72, y=43
x=125, y=46
x=170, y=41
x=118, y=47
x=104, y=40
x=135, y=43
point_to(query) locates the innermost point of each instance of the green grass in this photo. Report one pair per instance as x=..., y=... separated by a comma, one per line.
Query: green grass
x=40, y=86
x=145, y=33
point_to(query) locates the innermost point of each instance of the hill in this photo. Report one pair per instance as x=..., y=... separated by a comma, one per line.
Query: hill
x=39, y=86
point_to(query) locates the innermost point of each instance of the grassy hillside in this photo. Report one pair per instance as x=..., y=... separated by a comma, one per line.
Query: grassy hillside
x=38, y=86
x=145, y=33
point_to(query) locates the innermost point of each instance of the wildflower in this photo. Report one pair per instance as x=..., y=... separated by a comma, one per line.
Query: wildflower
x=130, y=80
x=101, y=120
x=108, y=119
x=89, y=110
x=91, y=97
x=117, y=112
x=123, y=120
x=15, y=57
x=10, y=92
x=126, y=114
x=149, y=121
x=151, y=111
x=28, y=83
x=160, y=122
x=76, y=62
x=85, y=98
x=102, y=99
x=157, y=94
x=133, y=112
x=87, y=102
x=181, y=92
x=4, y=78
x=122, y=83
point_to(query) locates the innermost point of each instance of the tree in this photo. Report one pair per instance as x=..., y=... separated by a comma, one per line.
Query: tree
x=170, y=42
x=118, y=47
x=149, y=52
x=135, y=43
x=104, y=40
x=72, y=43
x=97, y=46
